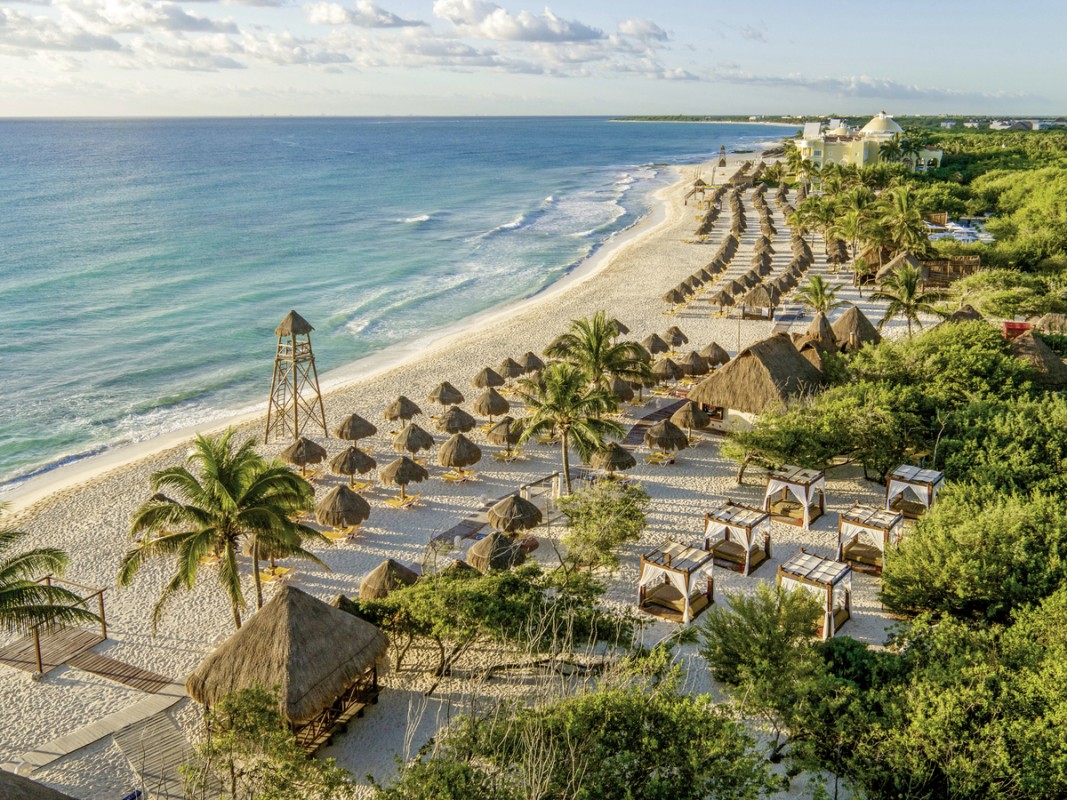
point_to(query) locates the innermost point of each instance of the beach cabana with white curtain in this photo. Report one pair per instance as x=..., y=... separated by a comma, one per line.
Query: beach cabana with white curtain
x=676, y=582
x=912, y=490
x=806, y=486
x=738, y=536
x=864, y=533
x=829, y=581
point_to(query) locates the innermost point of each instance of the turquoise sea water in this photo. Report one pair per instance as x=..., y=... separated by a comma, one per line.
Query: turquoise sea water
x=144, y=264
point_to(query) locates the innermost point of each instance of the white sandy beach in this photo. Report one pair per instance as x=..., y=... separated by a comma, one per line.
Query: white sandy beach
x=85, y=509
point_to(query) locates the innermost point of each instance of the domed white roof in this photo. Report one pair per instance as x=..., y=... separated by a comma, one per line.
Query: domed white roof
x=883, y=123
x=840, y=131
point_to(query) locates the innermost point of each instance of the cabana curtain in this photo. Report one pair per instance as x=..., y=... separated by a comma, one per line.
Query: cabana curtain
x=925, y=494
x=652, y=572
x=805, y=499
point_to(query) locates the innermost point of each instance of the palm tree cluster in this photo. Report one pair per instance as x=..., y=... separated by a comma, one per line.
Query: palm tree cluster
x=226, y=497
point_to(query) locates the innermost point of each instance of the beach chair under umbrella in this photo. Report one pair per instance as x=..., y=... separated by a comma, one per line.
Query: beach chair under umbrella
x=510, y=368
x=694, y=364
x=341, y=509
x=666, y=437
x=691, y=417
x=486, y=378
x=491, y=403
x=666, y=370
x=457, y=454
x=613, y=458
x=402, y=473
x=530, y=362
x=505, y=433
x=654, y=344
x=412, y=439
x=674, y=336
x=446, y=395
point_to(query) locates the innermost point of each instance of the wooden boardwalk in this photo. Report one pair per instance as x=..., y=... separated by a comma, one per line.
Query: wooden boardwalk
x=636, y=434
x=156, y=749
x=120, y=672
x=57, y=648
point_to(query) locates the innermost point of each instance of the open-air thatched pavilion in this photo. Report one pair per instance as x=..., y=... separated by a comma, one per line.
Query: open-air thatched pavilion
x=911, y=490
x=761, y=378
x=829, y=581
x=852, y=330
x=738, y=536
x=676, y=582
x=15, y=787
x=1050, y=369
x=806, y=486
x=324, y=660
x=864, y=533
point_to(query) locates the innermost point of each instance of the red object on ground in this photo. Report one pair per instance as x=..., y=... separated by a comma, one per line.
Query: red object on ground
x=1012, y=329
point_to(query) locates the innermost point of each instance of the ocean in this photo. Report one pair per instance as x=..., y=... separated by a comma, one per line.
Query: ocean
x=145, y=263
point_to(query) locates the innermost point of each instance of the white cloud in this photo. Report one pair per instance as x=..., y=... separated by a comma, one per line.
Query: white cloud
x=643, y=29
x=364, y=14
x=753, y=34
x=483, y=20
x=23, y=31
x=135, y=16
x=856, y=86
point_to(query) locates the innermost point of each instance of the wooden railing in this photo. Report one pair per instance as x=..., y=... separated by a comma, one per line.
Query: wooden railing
x=51, y=580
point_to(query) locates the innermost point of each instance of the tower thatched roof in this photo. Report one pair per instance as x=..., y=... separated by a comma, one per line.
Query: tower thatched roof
x=293, y=324
x=853, y=330
x=1050, y=369
x=819, y=332
x=312, y=650
x=760, y=378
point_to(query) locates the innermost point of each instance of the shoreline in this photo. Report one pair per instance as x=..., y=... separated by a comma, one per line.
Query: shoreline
x=83, y=471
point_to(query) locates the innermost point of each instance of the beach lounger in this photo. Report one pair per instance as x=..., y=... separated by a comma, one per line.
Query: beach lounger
x=507, y=458
x=342, y=534
x=210, y=560
x=410, y=501
x=656, y=457
x=459, y=475
x=275, y=574
x=362, y=486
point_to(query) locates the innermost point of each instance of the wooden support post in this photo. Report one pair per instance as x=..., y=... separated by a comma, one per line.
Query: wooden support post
x=103, y=619
x=37, y=649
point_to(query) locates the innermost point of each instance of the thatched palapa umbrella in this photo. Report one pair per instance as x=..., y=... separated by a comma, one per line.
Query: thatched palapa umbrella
x=666, y=436
x=312, y=651
x=620, y=328
x=674, y=336
x=491, y=403
x=456, y=420
x=459, y=452
x=402, y=472
x=852, y=330
x=402, y=409
x=303, y=452
x=385, y=578
x=446, y=395
x=530, y=362
x=691, y=417
x=412, y=439
x=510, y=368
x=694, y=364
x=622, y=390
x=495, y=551
x=715, y=355
x=735, y=288
x=513, y=514
x=722, y=299
x=351, y=461
x=506, y=432
x=487, y=378
x=613, y=458
x=654, y=344
x=674, y=297
x=666, y=370
x=341, y=508
x=354, y=428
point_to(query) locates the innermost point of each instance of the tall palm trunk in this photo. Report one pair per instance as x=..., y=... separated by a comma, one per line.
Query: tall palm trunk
x=564, y=440
x=255, y=573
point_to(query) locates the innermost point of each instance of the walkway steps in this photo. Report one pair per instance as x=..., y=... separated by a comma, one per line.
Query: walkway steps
x=57, y=648
x=156, y=749
x=117, y=671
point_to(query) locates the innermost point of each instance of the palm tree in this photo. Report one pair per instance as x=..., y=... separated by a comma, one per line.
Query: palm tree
x=903, y=220
x=24, y=601
x=564, y=404
x=849, y=226
x=910, y=148
x=903, y=291
x=818, y=295
x=591, y=346
x=889, y=152
x=237, y=496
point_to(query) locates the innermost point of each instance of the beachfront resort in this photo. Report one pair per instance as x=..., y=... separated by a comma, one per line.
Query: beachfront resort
x=764, y=481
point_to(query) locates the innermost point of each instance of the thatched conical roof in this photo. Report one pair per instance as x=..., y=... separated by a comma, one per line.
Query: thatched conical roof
x=514, y=513
x=490, y=403
x=341, y=508
x=456, y=420
x=810, y=350
x=16, y=787
x=446, y=395
x=761, y=378
x=1050, y=323
x=312, y=650
x=614, y=457
x=620, y=328
x=495, y=551
x=384, y=578
x=352, y=461
x=898, y=262
x=694, y=364
x=402, y=472
x=354, y=428
x=412, y=439
x=1050, y=369
x=674, y=336
x=691, y=417
x=665, y=435
x=654, y=344
x=303, y=452
x=674, y=297
x=486, y=378
x=459, y=452
x=293, y=325
x=530, y=362
x=852, y=330
x=666, y=370
x=510, y=368
x=402, y=408
x=762, y=296
x=965, y=313
x=715, y=355
x=722, y=299
x=622, y=390
x=820, y=332
x=506, y=432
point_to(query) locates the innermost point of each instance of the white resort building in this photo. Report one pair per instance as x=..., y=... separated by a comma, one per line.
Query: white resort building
x=837, y=143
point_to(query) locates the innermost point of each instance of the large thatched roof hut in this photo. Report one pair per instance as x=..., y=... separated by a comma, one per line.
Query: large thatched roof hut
x=1050, y=369
x=761, y=378
x=15, y=787
x=852, y=330
x=324, y=660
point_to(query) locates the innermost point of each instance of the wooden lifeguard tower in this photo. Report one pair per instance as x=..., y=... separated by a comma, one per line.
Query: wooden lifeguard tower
x=294, y=390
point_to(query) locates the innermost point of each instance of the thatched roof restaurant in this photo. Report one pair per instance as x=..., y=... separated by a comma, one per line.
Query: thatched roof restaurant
x=852, y=330
x=761, y=378
x=324, y=660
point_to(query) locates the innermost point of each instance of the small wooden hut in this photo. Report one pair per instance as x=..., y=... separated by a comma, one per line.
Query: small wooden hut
x=761, y=378
x=911, y=490
x=1050, y=370
x=738, y=536
x=324, y=660
x=806, y=486
x=676, y=582
x=829, y=581
x=852, y=330
x=864, y=533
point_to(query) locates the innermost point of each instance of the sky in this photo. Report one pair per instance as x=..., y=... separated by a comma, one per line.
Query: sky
x=497, y=57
